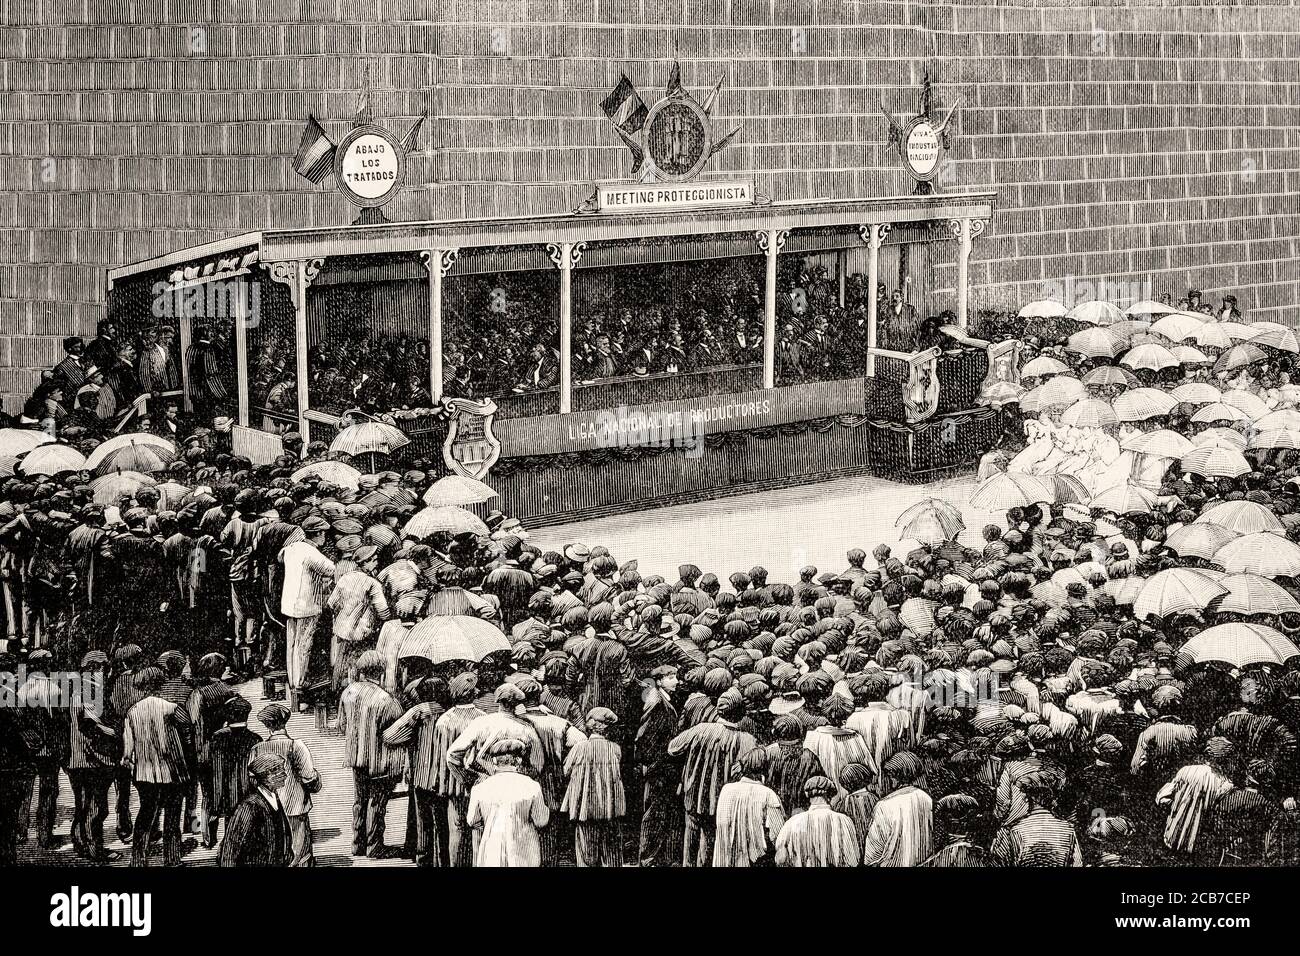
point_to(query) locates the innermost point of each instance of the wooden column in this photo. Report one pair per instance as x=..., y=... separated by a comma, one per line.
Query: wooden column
x=185, y=327
x=298, y=274
x=873, y=234
x=841, y=268
x=770, y=242
x=566, y=255
x=965, y=231
x=438, y=262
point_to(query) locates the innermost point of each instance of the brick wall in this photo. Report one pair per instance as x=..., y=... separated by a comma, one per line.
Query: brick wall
x=1130, y=140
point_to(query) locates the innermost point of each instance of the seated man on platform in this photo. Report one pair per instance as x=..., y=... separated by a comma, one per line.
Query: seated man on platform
x=543, y=370
x=601, y=363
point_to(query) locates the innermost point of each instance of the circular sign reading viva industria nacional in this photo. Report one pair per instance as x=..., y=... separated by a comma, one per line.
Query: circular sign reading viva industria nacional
x=922, y=150
x=370, y=166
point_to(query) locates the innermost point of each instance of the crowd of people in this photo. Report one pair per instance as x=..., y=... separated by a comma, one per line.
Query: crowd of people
x=996, y=705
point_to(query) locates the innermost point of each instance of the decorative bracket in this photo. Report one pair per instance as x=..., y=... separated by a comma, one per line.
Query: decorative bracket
x=446, y=259
x=565, y=255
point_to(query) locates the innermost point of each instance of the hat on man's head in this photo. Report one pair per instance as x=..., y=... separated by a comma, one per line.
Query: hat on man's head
x=577, y=553
x=274, y=715
x=508, y=695
x=314, y=524
x=602, y=715
x=264, y=764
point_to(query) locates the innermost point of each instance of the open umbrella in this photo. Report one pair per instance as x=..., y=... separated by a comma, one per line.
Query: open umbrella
x=51, y=459
x=1049, y=592
x=1220, y=437
x=1096, y=312
x=1095, y=343
x=1219, y=412
x=457, y=490
x=1215, y=462
x=1001, y=393
x=448, y=518
x=369, y=438
x=453, y=637
x=1238, y=331
x=1239, y=356
x=1189, y=355
x=1196, y=393
x=131, y=440
x=1248, y=402
x=1062, y=390
x=1043, y=365
x=1149, y=356
x=1010, y=489
x=951, y=513
x=1255, y=594
x=1212, y=335
x=1124, y=590
x=132, y=457
x=931, y=528
x=1176, y=590
x=1176, y=327
x=1140, y=404
x=1129, y=328
x=1042, y=309
x=109, y=489
x=1090, y=413
x=1243, y=517
x=18, y=441
x=1149, y=307
x=1199, y=540
x=1240, y=644
x=1260, y=552
x=1283, y=339
x=332, y=472
x=1287, y=438
x=1282, y=418
x=1162, y=443
x=1124, y=499
x=1066, y=488
x=1111, y=375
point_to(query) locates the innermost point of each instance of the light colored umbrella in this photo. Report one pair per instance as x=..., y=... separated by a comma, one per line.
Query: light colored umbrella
x=1282, y=418
x=1010, y=489
x=1002, y=393
x=1149, y=307
x=1248, y=402
x=1067, y=576
x=931, y=528
x=1220, y=438
x=1189, y=355
x=1049, y=592
x=1199, y=540
x=1095, y=343
x=1043, y=365
x=1066, y=488
x=1140, y=404
x=1043, y=309
x=1261, y=552
x=1219, y=412
x=132, y=440
x=457, y=490
x=1240, y=644
x=1212, y=335
x=1176, y=590
x=1239, y=356
x=1129, y=328
x=1238, y=331
x=928, y=506
x=18, y=441
x=453, y=637
x=1262, y=325
x=1162, y=443
x=1275, y=438
x=1176, y=328
x=1196, y=393
x=1061, y=390
x=369, y=438
x=133, y=457
x=1215, y=462
x=1283, y=339
x=1090, y=413
x=1149, y=356
x=1096, y=312
x=109, y=489
x=448, y=518
x=1124, y=590
x=51, y=459
x=1111, y=375
x=170, y=494
x=1243, y=517
x=1289, y=393
x=333, y=472
x=1124, y=499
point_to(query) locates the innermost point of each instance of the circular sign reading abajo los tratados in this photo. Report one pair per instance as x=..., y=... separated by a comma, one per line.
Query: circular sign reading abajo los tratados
x=369, y=166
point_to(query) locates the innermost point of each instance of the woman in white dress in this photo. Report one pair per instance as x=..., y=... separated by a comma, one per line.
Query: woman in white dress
x=1037, y=447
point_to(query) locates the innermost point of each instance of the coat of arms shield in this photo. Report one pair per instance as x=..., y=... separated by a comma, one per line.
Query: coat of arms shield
x=470, y=449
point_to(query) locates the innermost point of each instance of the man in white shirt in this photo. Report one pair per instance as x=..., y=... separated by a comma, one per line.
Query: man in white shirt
x=308, y=576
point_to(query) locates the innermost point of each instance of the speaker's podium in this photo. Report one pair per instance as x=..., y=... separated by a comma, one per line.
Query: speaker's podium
x=940, y=408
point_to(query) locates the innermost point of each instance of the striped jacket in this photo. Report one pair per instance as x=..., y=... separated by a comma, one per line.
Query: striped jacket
x=156, y=742
x=366, y=710
x=360, y=607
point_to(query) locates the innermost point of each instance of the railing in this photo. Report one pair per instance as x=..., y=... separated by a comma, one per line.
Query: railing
x=913, y=386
